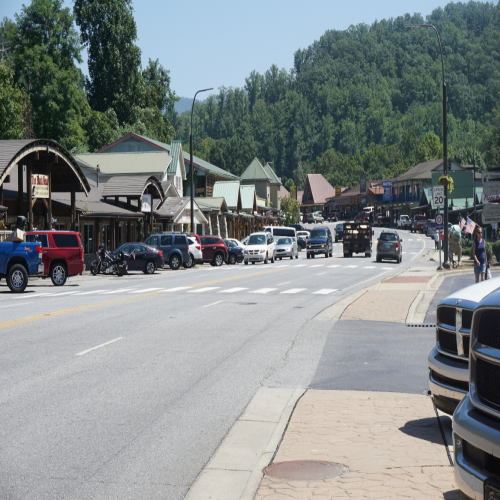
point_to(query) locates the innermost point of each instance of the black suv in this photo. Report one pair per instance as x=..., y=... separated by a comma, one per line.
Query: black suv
x=320, y=242
x=175, y=248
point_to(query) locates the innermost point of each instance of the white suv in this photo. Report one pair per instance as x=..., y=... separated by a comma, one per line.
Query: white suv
x=260, y=247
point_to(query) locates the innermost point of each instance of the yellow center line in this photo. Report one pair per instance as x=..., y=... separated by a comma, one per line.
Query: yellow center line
x=30, y=319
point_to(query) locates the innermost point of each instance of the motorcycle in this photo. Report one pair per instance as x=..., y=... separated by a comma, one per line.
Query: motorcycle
x=109, y=263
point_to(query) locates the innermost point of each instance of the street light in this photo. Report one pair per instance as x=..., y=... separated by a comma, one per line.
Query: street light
x=474, y=167
x=446, y=263
x=191, y=168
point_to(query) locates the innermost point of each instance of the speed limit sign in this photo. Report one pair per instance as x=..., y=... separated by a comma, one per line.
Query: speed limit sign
x=438, y=196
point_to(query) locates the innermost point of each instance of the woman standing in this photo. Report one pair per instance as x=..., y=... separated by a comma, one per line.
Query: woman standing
x=479, y=255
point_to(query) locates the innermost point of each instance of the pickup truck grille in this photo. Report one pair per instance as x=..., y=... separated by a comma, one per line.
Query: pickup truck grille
x=488, y=381
x=466, y=319
x=447, y=315
x=488, y=329
x=447, y=341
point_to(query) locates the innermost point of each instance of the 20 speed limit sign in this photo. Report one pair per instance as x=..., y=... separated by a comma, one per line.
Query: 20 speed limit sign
x=438, y=196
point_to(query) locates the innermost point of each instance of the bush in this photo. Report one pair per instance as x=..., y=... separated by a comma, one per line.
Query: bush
x=489, y=251
x=466, y=243
x=496, y=250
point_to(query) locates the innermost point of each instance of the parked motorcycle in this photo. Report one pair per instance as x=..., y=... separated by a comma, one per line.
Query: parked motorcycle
x=109, y=263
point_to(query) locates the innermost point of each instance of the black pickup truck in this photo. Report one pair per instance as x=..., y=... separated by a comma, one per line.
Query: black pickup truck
x=357, y=238
x=382, y=221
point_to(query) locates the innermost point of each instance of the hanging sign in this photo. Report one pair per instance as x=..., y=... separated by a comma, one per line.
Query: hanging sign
x=146, y=203
x=491, y=183
x=491, y=213
x=387, y=185
x=39, y=186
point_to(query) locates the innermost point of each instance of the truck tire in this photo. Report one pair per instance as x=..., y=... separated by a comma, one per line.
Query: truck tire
x=17, y=278
x=58, y=274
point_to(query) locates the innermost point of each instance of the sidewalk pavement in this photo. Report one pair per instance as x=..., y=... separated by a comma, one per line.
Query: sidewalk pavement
x=391, y=444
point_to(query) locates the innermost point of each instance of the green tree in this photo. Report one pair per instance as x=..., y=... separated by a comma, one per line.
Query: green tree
x=14, y=105
x=291, y=209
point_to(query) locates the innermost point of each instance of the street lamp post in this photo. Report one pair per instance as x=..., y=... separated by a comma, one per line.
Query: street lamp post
x=191, y=168
x=446, y=262
x=474, y=167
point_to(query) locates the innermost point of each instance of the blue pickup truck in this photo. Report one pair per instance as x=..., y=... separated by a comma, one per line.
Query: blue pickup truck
x=18, y=260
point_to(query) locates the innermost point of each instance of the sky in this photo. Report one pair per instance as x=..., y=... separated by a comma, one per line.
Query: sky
x=219, y=42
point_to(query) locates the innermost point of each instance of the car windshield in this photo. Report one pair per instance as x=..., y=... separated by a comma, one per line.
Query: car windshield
x=284, y=241
x=257, y=239
x=388, y=237
x=318, y=233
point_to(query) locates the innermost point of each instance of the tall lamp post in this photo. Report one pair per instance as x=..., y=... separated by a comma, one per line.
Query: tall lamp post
x=474, y=167
x=446, y=263
x=191, y=168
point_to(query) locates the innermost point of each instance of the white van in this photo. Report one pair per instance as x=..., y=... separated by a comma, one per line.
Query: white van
x=277, y=231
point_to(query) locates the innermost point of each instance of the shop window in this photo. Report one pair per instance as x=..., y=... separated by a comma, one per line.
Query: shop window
x=88, y=238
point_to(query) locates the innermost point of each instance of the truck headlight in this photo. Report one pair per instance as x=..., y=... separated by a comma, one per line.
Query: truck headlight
x=322, y=246
x=261, y=251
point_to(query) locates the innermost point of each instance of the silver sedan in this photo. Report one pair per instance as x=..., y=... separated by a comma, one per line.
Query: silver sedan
x=287, y=247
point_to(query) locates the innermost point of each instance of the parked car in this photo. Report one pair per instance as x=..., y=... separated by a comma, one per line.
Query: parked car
x=431, y=228
x=339, y=232
x=333, y=217
x=381, y=220
x=234, y=252
x=320, y=243
x=214, y=250
x=318, y=218
x=363, y=217
x=195, y=253
x=309, y=218
x=403, y=222
x=260, y=248
x=297, y=227
x=417, y=223
x=389, y=246
x=62, y=254
x=143, y=257
x=234, y=240
x=18, y=260
x=476, y=421
x=449, y=359
x=244, y=241
x=175, y=248
x=287, y=247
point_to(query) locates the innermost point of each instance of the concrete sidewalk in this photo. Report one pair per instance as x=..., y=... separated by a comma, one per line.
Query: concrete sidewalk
x=391, y=444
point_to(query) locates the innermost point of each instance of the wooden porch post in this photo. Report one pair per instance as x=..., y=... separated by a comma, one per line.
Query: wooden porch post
x=129, y=223
x=73, y=211
x=19, y=189
x=113, y=241
x=29, y=192
x=50, y=197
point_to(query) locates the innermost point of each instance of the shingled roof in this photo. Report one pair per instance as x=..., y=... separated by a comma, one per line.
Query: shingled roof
x=316, y=190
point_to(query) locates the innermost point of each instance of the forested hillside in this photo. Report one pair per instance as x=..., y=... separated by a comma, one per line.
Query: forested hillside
x=365, y=98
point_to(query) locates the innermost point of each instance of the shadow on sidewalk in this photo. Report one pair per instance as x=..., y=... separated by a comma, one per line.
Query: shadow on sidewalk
x=424, y=428
x=452, y=495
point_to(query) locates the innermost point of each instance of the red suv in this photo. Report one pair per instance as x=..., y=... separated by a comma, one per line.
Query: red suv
x=214, y=250
x=363, y=217
x=62, y=254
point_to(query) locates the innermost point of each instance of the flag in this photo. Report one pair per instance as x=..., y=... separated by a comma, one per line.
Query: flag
x=461, y=223
x=471, y=225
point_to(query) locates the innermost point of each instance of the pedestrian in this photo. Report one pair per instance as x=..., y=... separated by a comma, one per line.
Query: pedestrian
x=479, y=255
x=436, y=240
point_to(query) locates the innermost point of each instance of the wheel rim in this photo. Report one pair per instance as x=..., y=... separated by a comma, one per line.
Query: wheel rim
x=174, y=263
x=17, y=279
x=232, y=259
x=59, y=274
x=150, y=268
x=218, y=260
x=190, y=262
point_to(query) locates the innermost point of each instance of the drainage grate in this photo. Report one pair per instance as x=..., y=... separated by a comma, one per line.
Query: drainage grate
x=305, y=470
x=423, y=325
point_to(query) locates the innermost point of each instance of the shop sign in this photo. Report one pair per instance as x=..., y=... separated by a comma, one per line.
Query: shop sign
x=337, y=191
x=40, y=186
x=146, y=203
x=491, y=183
x=491, y=213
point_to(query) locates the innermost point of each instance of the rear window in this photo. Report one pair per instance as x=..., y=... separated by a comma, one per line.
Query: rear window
x=38, y=238
x=180, y=240
x=388, y=237
x=209, y=240
x=66, y=240
x=283, y=231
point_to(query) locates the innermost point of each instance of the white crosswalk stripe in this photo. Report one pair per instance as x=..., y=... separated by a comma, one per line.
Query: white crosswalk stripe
x=352, y=267
x=31, y=296
x=145, y=290
x=206, y=289
x=317, y=265
x=282, y=265
x=325, y=291
x=301, y=265
x=63, y=293
x=369, y=267
x=176, y=289
x=116, y=291
x=294, y=290
x=87, y=293
x=387, y=268
x=233, y=290
x=336, y=265
x=264, y=290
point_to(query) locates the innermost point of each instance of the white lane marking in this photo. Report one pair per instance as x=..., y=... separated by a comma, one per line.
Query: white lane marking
x=300, y=265
x=176, y=289
x=404, y=253
x=213, y=303
x=117, y=291
x=409, y=240
x=87, y=293
x=352, y=267
x=206, y=289
x=58, y=294
x=336, y=265
x=414, y=253
x=325, y=291
x=97, y=347
x=282, y=265
x=317, y=265
x=294, y=290
x=321, y=274
x=145, y=290
x=31, y=296
x=285, y=283
x=264, y=290
x=388, y=268
x=233, y=290
x=3, y=307
x=369, y=267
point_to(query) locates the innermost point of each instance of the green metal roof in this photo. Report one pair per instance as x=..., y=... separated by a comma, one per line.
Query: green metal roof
x=139, y=163
x=211, y=203
x=175, y=151
x=270, y=172
x=255, y=172
x=204, y=165
x=230, y=191
x=247, y=197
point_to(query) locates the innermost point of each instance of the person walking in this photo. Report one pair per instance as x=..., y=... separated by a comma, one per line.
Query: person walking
x=479, y=255
x=436, y=240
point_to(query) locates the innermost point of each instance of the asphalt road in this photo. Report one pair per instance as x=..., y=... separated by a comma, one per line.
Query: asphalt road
x=123, y=388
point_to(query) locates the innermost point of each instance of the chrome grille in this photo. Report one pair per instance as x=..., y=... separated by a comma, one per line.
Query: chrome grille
x=467, y=319
x=489, y=329
x=446, y=315
x=447, y=341
x=488, y=381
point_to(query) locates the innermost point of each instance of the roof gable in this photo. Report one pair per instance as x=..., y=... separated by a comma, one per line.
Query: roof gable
x=248, y=198
x=316, y=189
x=256, y=172
x=230, y=191
x=270, y=172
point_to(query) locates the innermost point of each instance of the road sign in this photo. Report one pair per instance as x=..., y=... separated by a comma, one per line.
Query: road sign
x=438, y=196
x=387, y=184
x=363, y=200
x=439, y=222
x=491, y=183
x=491, y=213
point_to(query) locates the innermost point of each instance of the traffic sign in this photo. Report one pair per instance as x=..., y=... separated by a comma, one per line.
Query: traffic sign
x=439, y=222
x=438, y=196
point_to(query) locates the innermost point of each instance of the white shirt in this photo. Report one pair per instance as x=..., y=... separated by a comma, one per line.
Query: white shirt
x=436, y=236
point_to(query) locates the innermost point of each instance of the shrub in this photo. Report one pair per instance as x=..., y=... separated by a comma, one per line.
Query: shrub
x=489, y=251
x=496, y=250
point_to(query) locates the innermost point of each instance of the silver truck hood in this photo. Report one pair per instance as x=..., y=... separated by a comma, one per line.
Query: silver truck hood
x=476, y=292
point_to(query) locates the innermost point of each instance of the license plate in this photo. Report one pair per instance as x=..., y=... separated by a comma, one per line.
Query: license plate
x=387, y=246
x=491, y=493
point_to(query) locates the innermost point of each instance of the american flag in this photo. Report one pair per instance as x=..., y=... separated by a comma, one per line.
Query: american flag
x=471, y=225
x=461, y=223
